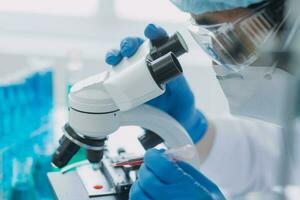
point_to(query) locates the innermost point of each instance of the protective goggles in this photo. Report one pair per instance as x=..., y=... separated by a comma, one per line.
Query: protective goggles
x=236, y=44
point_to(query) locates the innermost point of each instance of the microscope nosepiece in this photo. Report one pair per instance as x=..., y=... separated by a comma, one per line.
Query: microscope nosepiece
x=165, y=68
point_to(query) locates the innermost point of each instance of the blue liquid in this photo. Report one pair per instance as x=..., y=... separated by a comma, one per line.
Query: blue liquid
x=23, y=191
x=7, y=174
x=43, y=187
x=25, y=108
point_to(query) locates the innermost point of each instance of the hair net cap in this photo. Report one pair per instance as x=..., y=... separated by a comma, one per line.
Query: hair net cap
x=202, y=6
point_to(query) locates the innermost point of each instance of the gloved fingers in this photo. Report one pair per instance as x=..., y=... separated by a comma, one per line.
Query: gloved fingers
x=113, y=57
x=163, y=168
x=202, y=180
x=186, y=103
x=184, y=190
x=130, y=45
x=154, y=32
x=179, y=81
x=151, y=184
x=136, y=193
x=167, y=102
x=160, y=102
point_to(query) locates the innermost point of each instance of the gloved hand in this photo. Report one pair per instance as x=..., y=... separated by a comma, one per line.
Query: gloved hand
x=178, y=100
x=161, y=178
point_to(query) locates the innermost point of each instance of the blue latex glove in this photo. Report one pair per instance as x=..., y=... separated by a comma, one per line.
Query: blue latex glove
x=162, y=179
x=202, y=6
x=178, y=100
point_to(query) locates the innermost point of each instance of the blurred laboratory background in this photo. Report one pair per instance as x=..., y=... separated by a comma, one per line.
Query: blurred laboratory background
x=46, y=46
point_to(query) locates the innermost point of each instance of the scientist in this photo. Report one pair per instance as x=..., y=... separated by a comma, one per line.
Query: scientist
x=238, y=155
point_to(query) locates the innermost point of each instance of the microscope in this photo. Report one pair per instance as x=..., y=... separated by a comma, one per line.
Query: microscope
x=101, y=104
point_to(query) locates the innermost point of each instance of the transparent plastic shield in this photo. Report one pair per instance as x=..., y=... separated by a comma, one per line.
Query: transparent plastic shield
x=237, y=44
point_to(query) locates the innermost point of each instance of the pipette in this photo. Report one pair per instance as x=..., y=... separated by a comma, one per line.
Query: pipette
x=184, y=153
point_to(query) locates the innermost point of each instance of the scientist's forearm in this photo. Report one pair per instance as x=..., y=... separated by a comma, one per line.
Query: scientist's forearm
x=205, y=145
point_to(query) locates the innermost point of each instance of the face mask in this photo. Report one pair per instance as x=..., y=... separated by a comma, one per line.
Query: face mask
x=256, y=92
x=202, y=6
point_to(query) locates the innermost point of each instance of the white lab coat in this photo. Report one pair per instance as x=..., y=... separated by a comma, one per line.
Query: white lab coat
x=246, y=156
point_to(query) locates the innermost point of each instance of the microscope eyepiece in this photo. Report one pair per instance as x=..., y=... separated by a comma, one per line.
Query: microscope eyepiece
x=165, y=68
x=174, y=44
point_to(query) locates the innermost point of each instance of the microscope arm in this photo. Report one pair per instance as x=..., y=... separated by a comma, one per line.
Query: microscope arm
x=162, y=124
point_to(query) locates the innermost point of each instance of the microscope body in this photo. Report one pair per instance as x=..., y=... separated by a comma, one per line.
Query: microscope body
x=100, y=104
x=103, y=96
